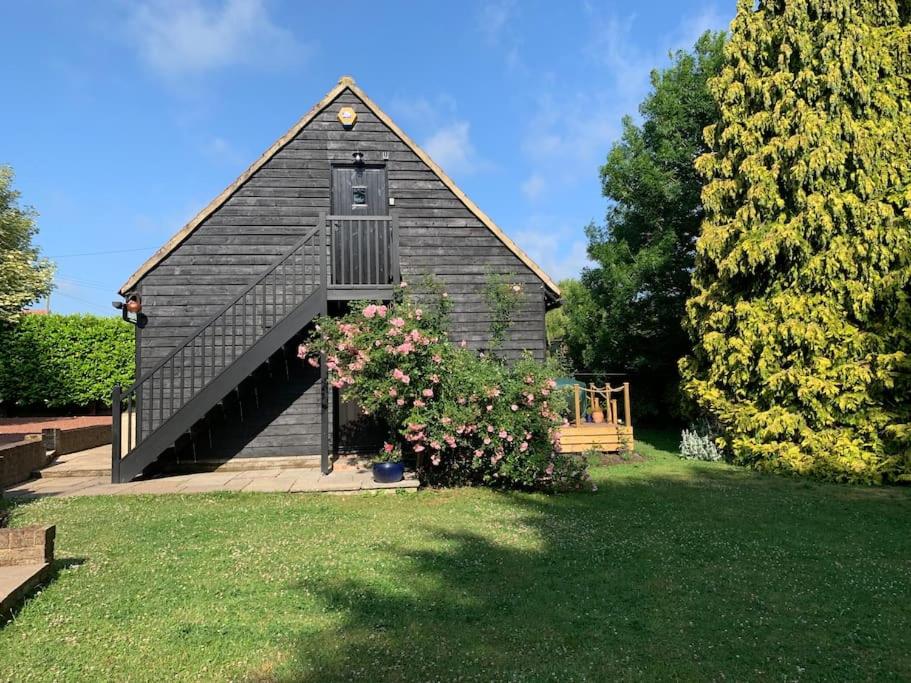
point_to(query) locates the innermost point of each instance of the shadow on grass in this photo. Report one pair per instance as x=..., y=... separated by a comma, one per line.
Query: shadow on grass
x=57, y=566
x=658, y=576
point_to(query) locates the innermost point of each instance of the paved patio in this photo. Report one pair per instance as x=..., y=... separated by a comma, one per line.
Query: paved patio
x=87, y=473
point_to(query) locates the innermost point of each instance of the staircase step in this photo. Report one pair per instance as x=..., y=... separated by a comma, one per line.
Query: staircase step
x=246, y=464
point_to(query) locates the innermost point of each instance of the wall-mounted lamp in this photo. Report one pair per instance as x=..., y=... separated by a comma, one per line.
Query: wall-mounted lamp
x=358, y=158
x=130, y=309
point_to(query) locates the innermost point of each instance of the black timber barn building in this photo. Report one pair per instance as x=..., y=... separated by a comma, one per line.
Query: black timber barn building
x=343, y=206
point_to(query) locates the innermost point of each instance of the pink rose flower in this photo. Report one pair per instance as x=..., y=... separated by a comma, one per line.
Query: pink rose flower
x=502, y=434
x=478, y=453
x=523, y=446
x=445, y=420
x=486, y=441
x=435, y=459
x=369, y=311
x=397, y=322
x=302, y=351
x=314, y=361
x=400, y=402
x=381, y=311
x=393, y=393
x=404, y=348
x=418, y=448
x=435, y=445
x=388, y=447
x=427, y=393
x=549, y=470
x=437, y=358
x=514, y=407
x=418, y=403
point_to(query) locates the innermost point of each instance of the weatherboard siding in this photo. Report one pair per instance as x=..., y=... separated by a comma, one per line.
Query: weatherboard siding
x=282, y=200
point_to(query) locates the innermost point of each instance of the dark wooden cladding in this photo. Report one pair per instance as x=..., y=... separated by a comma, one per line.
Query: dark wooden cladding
x=277, y=206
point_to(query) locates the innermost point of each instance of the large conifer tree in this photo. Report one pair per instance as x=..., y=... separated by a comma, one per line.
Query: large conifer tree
x=800, y=313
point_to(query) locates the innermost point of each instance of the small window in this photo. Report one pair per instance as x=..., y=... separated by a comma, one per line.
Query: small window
x=359, y=195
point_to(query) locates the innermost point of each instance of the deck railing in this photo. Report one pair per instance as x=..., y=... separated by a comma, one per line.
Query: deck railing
x=603, y=407
x=364, y=250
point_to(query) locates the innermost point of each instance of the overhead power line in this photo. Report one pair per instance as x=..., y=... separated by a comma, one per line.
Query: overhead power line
x=103, y=253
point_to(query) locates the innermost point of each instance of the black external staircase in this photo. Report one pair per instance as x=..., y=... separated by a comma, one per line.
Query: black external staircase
x=167, y=401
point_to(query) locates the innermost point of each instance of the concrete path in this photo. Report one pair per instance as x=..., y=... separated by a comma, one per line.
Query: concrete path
x=88, y=474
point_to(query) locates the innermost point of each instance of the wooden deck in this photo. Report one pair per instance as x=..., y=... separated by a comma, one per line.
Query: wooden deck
x=607, y=432
x=609, y=438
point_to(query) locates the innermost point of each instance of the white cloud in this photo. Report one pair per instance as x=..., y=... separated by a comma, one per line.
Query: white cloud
x=572, y=126
x=222, y=152
x=494, y=19
x=451, y=147
x=185, y=37
x=534, y=186
x=560, y=251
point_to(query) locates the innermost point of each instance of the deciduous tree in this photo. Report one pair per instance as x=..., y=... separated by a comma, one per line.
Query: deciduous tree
x=24, y=276
x=628, y=319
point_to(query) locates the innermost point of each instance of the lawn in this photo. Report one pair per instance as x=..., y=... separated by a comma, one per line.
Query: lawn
x=671, y=570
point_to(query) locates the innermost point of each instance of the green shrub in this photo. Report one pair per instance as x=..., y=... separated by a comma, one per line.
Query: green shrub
x=800, y=314
x=464, y=417
x=64, y=361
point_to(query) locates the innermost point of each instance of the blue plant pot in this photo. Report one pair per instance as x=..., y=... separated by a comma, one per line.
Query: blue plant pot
x=388, y=472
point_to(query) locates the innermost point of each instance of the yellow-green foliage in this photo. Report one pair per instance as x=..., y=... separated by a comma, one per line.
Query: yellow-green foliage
x=800, y=313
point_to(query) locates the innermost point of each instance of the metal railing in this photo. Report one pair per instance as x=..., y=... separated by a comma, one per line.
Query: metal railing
x=147, y=405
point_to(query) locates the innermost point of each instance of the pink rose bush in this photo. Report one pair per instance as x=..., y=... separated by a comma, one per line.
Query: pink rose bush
x=463, y=418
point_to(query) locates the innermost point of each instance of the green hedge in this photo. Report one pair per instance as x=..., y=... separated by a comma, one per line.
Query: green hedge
x=64, y=361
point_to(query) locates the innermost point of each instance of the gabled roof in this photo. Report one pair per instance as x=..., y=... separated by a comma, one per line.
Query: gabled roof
x=346, y=82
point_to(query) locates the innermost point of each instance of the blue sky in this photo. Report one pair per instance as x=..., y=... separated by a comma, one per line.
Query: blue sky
x=123, y=119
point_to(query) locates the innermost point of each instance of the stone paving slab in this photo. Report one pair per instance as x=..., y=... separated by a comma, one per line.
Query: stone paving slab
x=305, y=480
x=17, y=582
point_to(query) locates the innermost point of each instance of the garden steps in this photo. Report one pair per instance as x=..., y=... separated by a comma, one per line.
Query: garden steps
x=18, y=581
x=246, y=464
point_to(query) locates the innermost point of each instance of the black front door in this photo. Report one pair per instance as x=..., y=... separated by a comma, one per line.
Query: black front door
x=359, y=190
x=360, y=234
x=359, y=256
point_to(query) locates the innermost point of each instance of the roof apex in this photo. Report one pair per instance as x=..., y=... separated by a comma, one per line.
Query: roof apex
x=345, y=82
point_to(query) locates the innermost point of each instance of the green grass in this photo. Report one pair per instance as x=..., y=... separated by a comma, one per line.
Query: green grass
x=671, y=570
